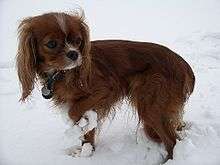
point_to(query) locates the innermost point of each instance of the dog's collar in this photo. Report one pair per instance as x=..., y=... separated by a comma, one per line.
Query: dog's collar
x=47, y=90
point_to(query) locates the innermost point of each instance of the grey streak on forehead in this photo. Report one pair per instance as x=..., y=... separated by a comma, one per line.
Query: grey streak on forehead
x=69, y=47
x=61, y=20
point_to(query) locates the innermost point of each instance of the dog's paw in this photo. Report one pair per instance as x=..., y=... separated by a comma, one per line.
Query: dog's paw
x=88, y=121
x=85, y=150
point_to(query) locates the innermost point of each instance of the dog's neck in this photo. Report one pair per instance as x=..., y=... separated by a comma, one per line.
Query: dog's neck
x=50, y=78
x=70, y=78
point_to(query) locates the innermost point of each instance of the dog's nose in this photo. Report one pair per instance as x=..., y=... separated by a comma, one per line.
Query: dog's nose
x=73, y=55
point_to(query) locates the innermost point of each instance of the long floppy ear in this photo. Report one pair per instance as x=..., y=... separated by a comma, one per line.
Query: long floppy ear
x=26, y=58
x=85, y=50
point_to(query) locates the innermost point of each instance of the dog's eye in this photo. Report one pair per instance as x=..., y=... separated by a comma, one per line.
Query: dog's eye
x=51, y=44
x=78, y=40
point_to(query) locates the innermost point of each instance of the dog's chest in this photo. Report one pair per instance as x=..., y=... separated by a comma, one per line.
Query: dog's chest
x=64, y=93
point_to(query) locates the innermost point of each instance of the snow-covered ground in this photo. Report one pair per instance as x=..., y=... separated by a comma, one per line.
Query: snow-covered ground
x=34, y=133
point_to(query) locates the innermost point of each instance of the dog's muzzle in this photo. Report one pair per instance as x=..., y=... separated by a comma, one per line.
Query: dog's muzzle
x=73, y=55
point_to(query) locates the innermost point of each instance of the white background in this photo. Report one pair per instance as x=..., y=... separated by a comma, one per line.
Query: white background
x=34, y=133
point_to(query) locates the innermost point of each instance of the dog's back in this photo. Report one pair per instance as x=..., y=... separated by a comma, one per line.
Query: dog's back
x=129, y=58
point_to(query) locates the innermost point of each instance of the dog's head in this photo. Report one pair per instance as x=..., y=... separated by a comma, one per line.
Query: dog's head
x=51, y=42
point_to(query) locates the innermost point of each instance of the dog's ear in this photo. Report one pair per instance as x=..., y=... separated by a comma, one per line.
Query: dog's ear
x=85, y=49
x=85, y=46
x=26, y=58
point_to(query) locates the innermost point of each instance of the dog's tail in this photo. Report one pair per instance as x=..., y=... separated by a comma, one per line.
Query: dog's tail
x=189, y=82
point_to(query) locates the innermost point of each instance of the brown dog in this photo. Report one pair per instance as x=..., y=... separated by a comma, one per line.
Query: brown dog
x=55, y=48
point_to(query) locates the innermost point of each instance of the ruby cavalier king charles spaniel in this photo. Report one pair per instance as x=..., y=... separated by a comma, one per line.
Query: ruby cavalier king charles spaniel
x=90, y=77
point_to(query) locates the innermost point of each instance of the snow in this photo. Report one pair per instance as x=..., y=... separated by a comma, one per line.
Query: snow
x=82, y=122
x=91, y=116
x=34, y=133
x=85, y=150
x=76, y=133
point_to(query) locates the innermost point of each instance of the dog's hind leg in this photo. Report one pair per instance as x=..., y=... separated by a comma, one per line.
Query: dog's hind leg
x=158, y=108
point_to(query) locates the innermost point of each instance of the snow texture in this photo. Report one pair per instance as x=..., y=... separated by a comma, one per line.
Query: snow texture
x=35, y=134
x=89, y=121
x=76, y=133
x=85, y=150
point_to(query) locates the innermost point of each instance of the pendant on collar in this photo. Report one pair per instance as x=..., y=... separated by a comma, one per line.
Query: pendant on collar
x=46, y=93
x=47, y=90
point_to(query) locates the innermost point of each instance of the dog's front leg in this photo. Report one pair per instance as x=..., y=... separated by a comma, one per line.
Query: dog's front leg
x=87, y=120
x=85, y=127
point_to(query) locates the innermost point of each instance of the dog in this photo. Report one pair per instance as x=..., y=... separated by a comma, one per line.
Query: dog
x=91, y=76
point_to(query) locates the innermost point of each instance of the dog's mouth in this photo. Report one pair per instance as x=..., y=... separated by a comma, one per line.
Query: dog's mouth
x=73, y=64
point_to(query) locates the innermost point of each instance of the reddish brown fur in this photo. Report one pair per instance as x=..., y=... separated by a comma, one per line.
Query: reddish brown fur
x=156, y=80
